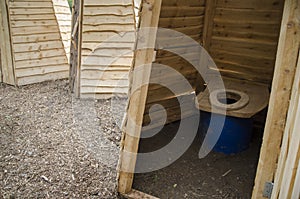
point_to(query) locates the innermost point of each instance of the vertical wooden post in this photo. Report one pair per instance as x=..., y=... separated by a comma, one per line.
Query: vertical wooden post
x=210, y=9
x=79, y=45
x=74, y=43
x=281, y=92
x=143, y=57
x=7, y=60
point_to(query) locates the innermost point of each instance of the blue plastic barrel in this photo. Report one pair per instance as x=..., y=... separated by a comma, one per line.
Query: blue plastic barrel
x=236, y=134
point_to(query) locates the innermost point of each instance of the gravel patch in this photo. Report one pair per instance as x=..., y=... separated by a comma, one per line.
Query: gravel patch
x=54, y=146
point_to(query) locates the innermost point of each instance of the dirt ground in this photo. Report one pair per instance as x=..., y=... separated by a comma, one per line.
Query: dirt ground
x=216, y=176
x=54, y=146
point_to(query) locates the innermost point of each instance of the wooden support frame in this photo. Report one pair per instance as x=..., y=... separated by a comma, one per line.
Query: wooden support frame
x=208, y=23
x=143, y=57
x=79, y=47
x=74, y=43
x=281, y=92
x=7, y=59
x=288, y=161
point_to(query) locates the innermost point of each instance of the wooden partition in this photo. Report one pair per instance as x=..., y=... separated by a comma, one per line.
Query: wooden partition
x=39, y=36
x=103, y=69
x=186, y=17
x=243, y=38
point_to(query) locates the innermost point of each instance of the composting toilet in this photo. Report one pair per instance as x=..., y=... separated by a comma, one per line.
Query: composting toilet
x=239, y=101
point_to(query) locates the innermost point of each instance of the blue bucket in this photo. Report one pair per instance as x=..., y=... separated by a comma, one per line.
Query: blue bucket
x=236, y=134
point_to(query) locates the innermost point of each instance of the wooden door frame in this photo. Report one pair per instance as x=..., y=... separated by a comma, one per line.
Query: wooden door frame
x=285, y=67
x=7, y=59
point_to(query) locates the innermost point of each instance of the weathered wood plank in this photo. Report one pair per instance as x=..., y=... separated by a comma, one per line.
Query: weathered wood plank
x=281, y=92
x=149, y=18
x=7, y=61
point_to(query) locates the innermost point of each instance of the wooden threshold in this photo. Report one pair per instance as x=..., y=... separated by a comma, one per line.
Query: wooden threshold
x=135, y=194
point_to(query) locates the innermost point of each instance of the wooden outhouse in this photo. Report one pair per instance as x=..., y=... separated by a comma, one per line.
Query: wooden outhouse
x=101, y=54
x=35, y=40
x=254, y=41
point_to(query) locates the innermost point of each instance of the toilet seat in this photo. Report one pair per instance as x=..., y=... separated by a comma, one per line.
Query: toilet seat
x=241, y=98
x=253, y=98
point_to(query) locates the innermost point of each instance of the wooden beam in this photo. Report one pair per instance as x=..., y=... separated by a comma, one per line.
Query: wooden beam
x=287, y=149
x=210, y=10
x=143, y=57
x=281, y=92
x=135, y=194
x=79, y=48
x=7, y=59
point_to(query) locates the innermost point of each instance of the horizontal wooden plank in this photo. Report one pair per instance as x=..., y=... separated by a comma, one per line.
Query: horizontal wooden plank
x=104, y=83
x=176, y=22
x=107, y=2
x=182, y=11
x=183, y=3
x=41, y=70
x=109, y=28
x=246, y=35
x=106, y=11
x=104, y=75
x=34, y=30
x=106, y=61
x=244, y=61
x=26, y=4
x=251, y=5
x=108, y=52
x=106, y=45
x=50, y=61
x=31, y=23
x=42, y=78
x=18, y=39
x=31, y=16
x=250, y=27
x=244, y=46
x=102, y=89
x=108, y=19
x=111, y=36
x=39, y=55
x=245, y=15
x=37, y=46
x=102, y=95
x=28, y=11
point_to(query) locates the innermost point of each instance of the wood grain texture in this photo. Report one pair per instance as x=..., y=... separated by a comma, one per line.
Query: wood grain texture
x=244, y=28
x=40, y=35
x=103, y=44
x=138, y=95
x=284, y=75
x=7, y=60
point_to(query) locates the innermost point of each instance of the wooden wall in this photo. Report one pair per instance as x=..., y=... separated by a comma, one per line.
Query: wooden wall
x=187, y=17
x=103, y=68
x=40, y=36
x=241, y=36
x=244, y=36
